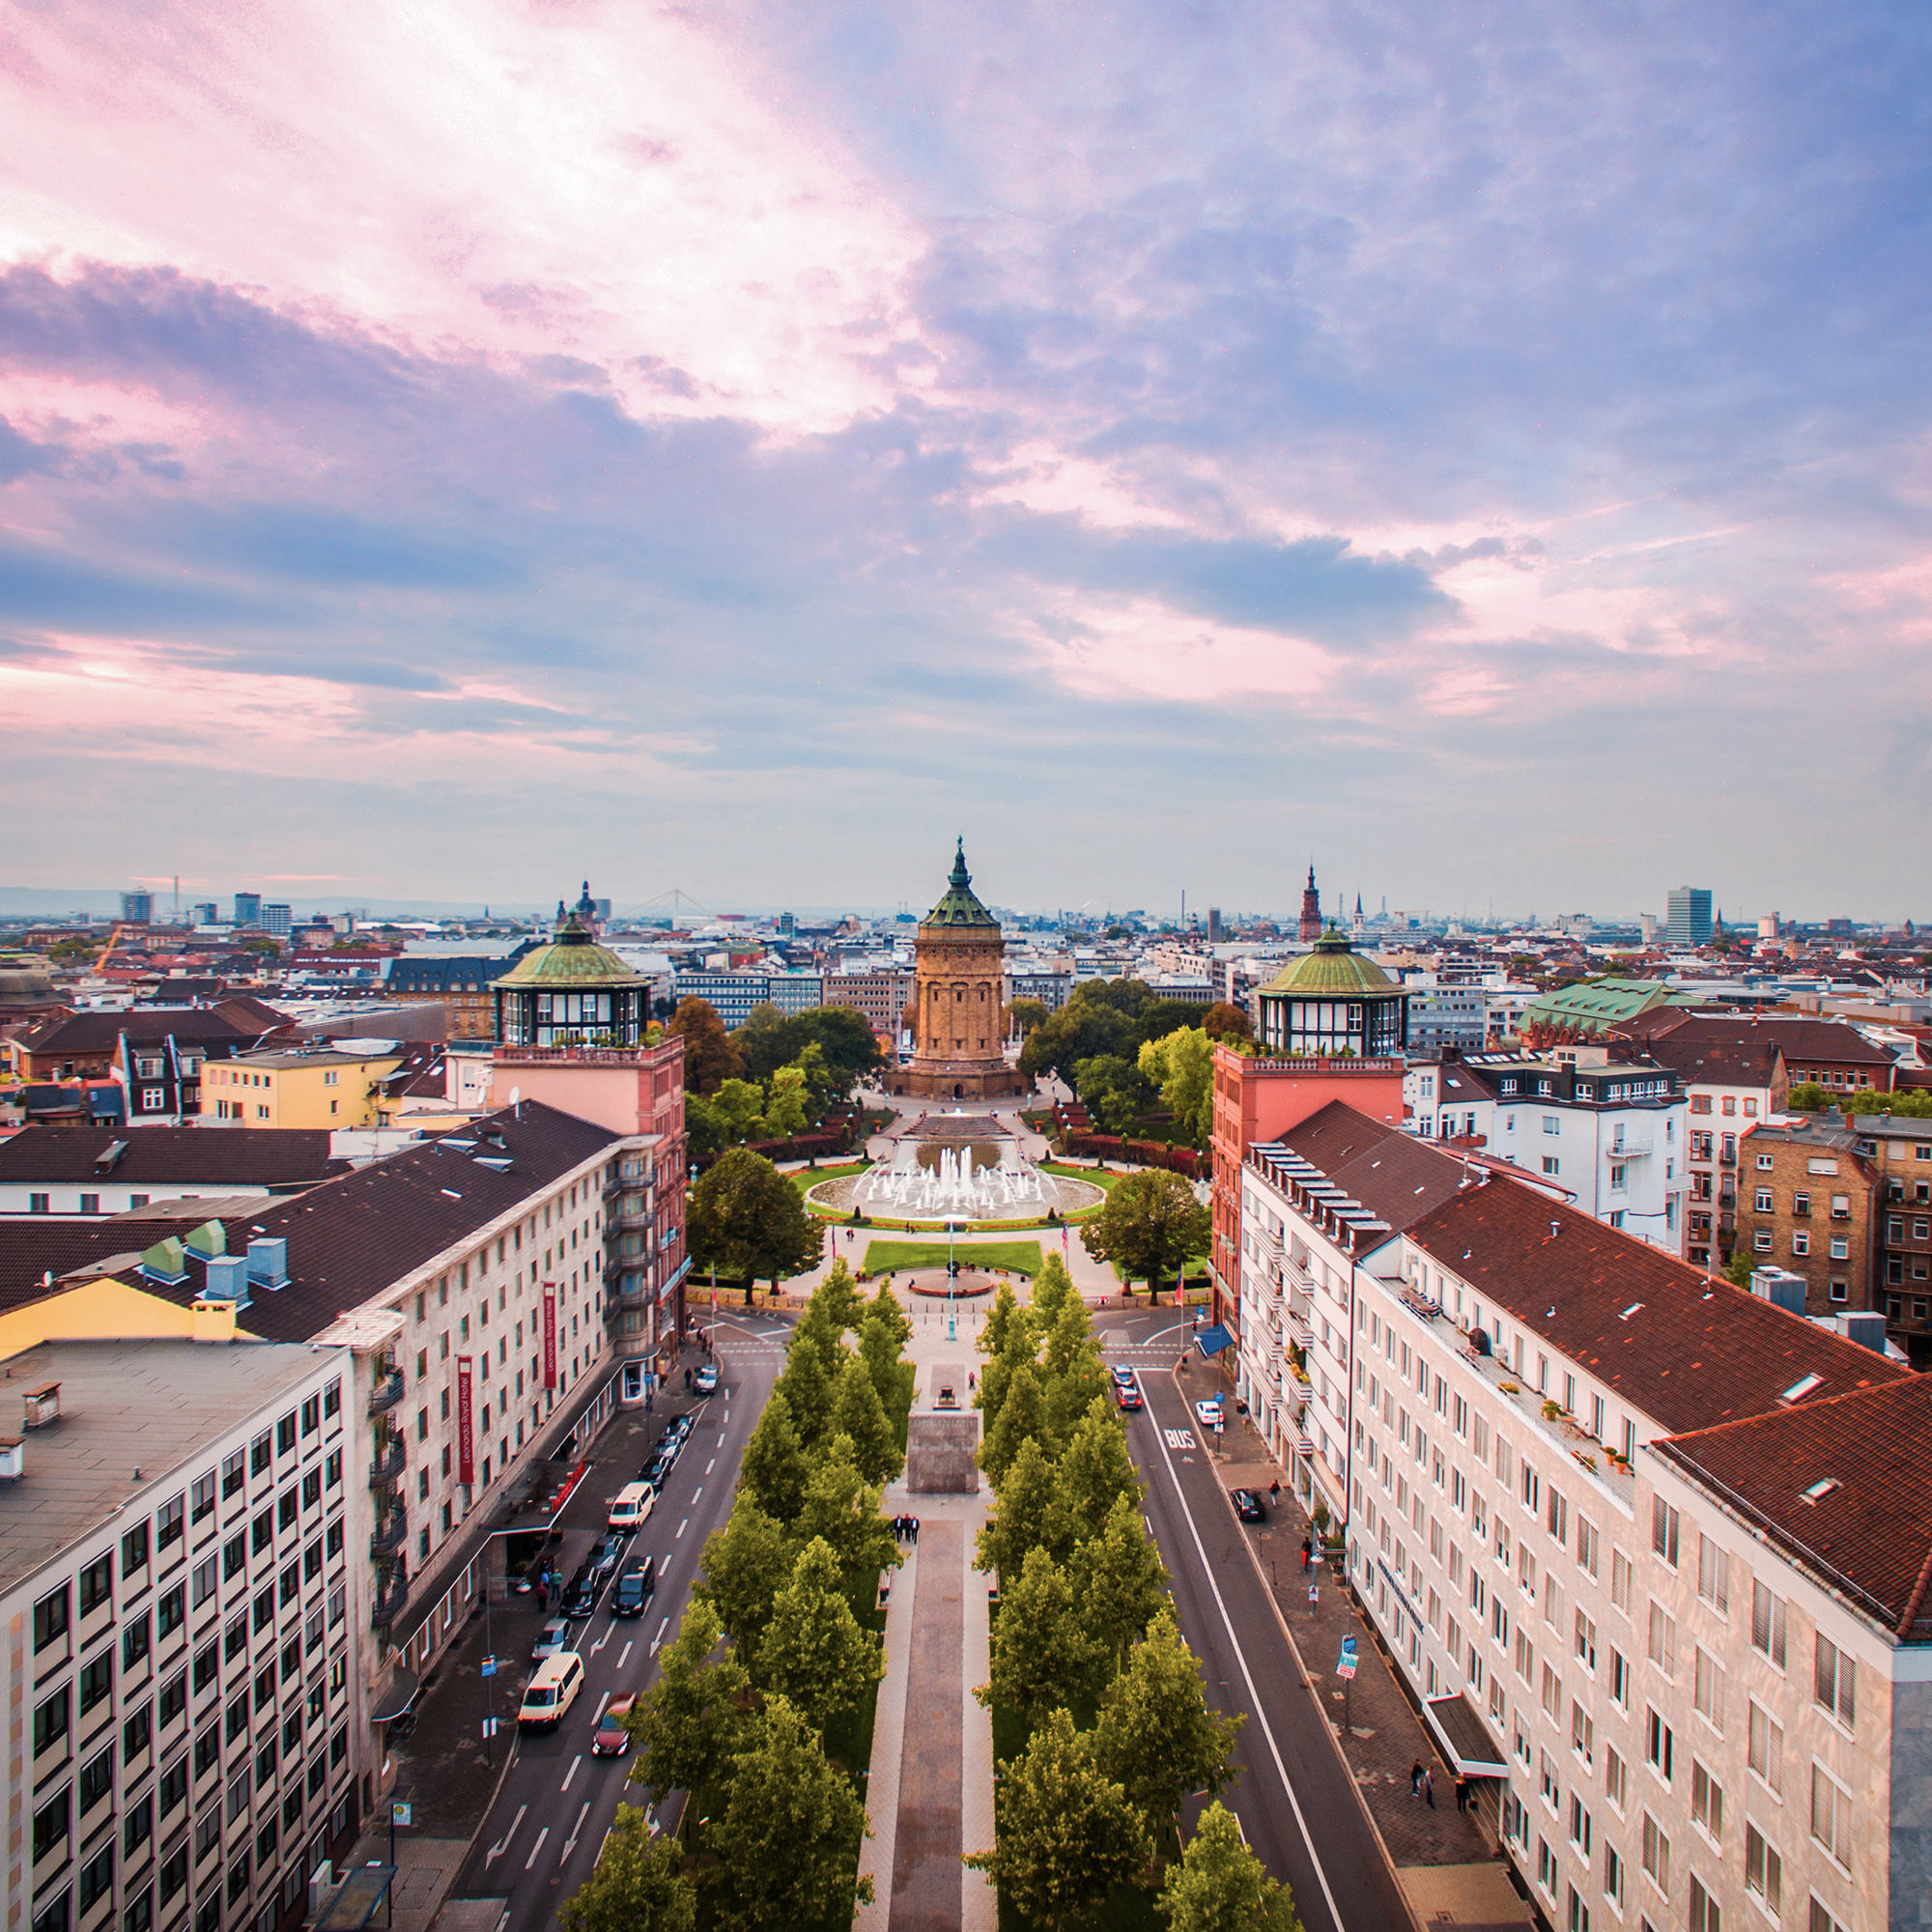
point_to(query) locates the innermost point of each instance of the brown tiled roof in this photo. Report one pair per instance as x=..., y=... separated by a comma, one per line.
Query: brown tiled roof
x=96, y=1029
x=1396, y=1176
x=1705, y=1059
x=1870, y=1534
x=32, y=1248
x=1686, y=1348
x=1800, y=1036
x=279, y=1157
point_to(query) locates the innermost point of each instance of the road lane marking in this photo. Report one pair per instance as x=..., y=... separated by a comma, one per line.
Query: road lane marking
x=696, y=1492
x=597, y=1714
x=1254, y=1695
x=610, y=1630
x=1178, y=1438
x=497, y=1850
x=573, y=1763
x=621, y=1655
x=710, y=1466
x=681, y=1528
x=536, y=1847
x=570, y=1843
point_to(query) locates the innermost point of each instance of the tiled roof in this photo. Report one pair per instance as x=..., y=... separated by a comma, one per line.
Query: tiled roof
x=1800, y=1038
x=1870, y=1532
x=95, y=1029
x=242, y=1157
x=349, y=1238
x=1396, y=1176
x=1687, y=1349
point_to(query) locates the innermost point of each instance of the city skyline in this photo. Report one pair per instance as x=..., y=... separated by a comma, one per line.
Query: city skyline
x=1162, y=444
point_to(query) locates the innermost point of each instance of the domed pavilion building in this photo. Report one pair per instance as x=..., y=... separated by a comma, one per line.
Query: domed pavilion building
x=959, y=1000
x=572, y=992
x=1332, y=1001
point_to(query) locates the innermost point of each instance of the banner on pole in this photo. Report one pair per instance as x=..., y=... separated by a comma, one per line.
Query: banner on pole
x=550, y=1334
x=466, y=1424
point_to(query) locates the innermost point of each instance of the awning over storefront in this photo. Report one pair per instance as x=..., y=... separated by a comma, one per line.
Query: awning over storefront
x=1212, y=1340
x=1465, y=1738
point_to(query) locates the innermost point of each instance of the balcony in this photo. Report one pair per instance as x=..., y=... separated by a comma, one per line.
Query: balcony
x=640, y=1223
x=390, y=1461
x=1300, y=1329
x=387, y=1393
x=1299, y=1382
x=389, y=1603
x=1633, y=1140
x=391, y=1533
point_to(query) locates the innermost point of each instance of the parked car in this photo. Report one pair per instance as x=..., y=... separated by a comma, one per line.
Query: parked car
x=552, y=1638
x=1129, y=1394
x=634, y=1588
x=1209, y=1414
x=680, y=1428
x=611, y=1739
x=580, y=1594
x=705, y=1381
x=1248, y=1506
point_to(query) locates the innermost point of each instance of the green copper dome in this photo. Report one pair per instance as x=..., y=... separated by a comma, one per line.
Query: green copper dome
x=573, y=958
x=961, y=905
x=1332, y=969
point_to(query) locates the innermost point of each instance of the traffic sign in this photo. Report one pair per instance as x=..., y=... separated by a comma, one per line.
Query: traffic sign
x=487, y=1667
x=1346, y=1669
x=399, y=1814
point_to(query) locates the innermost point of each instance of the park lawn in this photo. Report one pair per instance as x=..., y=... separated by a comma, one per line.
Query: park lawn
x=805, y=1178
x=1102, y=1177
x=896, y=1256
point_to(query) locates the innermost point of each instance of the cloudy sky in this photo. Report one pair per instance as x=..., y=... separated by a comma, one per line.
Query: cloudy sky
x=456, y=448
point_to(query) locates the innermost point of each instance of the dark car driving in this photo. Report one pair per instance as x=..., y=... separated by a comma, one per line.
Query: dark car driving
x=604, y=1558
x=635, y=1589
x=580, y=1594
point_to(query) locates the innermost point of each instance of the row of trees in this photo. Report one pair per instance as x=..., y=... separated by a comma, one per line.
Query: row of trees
x=1112, y=1018
x=773, y=1078
x=762, y=1697
x=1087, y=1659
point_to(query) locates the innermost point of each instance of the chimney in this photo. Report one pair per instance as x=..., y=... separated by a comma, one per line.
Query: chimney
x=42, y=1405
x=12, y=1459
x=211, y=1320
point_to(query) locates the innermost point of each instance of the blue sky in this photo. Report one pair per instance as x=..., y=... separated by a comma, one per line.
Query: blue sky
x=1481, y=448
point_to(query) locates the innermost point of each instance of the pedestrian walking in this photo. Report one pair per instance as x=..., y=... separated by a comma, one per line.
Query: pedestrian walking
x=1274, y=1490
x=1429, y=1787
x=1307, y=1553
x=687, y=1381
x=542, y=1597
x=1462, y=1794
x=914, y=1532
x=1415, y=1779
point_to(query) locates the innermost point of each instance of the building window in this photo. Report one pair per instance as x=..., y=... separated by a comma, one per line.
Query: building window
x=1835, y=1682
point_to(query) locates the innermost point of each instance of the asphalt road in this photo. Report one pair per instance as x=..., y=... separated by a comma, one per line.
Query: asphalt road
x=542, y=1837
x=1295, y=1801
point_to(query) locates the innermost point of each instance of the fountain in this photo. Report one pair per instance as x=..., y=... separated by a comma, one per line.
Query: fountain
x=953, y=1186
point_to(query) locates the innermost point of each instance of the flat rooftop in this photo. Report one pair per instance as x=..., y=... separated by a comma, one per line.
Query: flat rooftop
x=158, y=1406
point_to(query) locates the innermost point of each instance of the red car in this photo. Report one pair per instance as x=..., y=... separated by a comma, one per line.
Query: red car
x=611, y=1739
x=1129, y=1393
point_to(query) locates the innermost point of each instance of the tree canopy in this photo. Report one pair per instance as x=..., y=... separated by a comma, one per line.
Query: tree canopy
x=847, y=1047
x=1224, y=1020
x=709, y=1057
x=1150, y=1226
x=1156, y=1735
x=634, y=1886
x=1182, y=1067
x=812, y=1650
x=750, y=1221
x=1219, y=1885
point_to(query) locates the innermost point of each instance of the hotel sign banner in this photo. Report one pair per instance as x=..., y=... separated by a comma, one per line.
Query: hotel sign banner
x=550, y=1335
x=465, y=1423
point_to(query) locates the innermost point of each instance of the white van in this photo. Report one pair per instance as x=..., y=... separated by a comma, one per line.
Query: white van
x=630, y=1506
x=552, y=1692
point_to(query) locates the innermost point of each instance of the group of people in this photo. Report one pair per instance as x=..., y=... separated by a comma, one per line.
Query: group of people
x=905, y=1529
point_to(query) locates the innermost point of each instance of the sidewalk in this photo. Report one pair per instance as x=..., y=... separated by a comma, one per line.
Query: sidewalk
x=1445, y=1861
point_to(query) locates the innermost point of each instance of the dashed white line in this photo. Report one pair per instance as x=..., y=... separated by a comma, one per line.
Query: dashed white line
x=572, y=1772
x=710, y=1466
x=681, y=1528
x=536, y=1847
x=599, y=1712
x=696, y=1492
x=621, y=1655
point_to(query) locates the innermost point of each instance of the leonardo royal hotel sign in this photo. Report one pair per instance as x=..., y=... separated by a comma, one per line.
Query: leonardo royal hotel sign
x=550, y=1335
x=465, y=1423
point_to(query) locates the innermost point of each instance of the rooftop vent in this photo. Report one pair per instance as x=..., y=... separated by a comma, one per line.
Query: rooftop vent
x=1820, y=1489
x=109, y=1156
x=208, y=1239
x=227, y=1279
x=41, y=1405
x=1800, y=1389
x=165, y=1263
x=1780, y=1286
x=1629, y=1311
x=12, y=1459
x=269, y=1262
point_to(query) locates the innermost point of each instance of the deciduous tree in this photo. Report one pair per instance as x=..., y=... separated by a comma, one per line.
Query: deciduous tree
x=886, y=1306
x=1066, y=1834
x=634, y=1886
x=709, y=1057
x=775, y=1468
x=1181, y=1065
x=1156, y=1735
x=1219, y=1885
x=737, y=1107
x=837, y=1298
x=788, y=1842
x=1043, y=1659
x=1031, y=1515
x=880, y=1353
x=786, y=1103
x=844, y=1508
x=812, y=1650
x=1224, y=1020
x=750, y=1221
x=1119, y=1584
x=1022, y=1414
x=693, y=1718
x=1148, y=1227
x=806, y=1386
x=745, y=1565
x=858, y=1412
x=1095, y=1469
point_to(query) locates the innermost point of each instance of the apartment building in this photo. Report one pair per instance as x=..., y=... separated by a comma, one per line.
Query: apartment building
x=880, y=993
x=328, y=1085
x=1900, y=1151
x=1605, y=1131
x=186, y=1714
x=1808, y=1202
x=1614, y=1521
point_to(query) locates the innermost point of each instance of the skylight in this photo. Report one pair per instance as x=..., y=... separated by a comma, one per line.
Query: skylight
x=1820, y=1489
x=1798, y=1390
x=1629, y=1311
